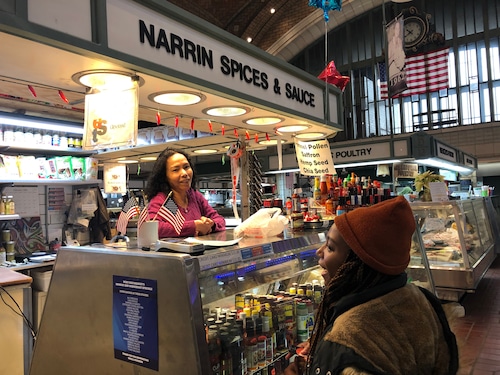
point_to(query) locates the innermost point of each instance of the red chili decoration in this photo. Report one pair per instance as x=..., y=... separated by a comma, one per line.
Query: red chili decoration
x=235, y=131
x=63, y=97
x=176, y=121
x=223, y=130
x=158, y=118
x=210, y=126
x=192, y=124
x=267, y=137
x=247, y=135
x=32, y=90
x=256, y=138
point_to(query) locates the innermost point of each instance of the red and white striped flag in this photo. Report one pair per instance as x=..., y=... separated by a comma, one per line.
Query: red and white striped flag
x=171, y=213
x=425, y=72
x=129, y=210
x=143, y=216
x=382, y=71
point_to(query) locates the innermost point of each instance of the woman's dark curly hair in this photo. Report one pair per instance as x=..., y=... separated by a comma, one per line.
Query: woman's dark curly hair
x=352, y=276
x=157, y=180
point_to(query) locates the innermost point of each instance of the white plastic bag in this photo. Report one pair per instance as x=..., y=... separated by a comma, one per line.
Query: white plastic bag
x=267, y=222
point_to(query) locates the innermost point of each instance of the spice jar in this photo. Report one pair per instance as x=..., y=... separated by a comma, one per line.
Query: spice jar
x=3, y=255
x=10, y=251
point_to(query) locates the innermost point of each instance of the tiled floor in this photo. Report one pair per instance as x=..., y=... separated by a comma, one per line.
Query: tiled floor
x=478, y=332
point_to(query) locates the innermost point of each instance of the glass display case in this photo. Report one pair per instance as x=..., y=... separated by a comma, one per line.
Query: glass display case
x=458, y=242
x=150, y=312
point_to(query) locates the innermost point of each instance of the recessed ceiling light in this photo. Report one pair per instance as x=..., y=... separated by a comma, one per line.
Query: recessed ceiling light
x=226, y=111
x=272, y=10
x=205, y=151
x=249, y=40
x=269, y=120
x=292, y=128
x=107, y=79
x=177, y=97
x=270, y=142
x=312, y=135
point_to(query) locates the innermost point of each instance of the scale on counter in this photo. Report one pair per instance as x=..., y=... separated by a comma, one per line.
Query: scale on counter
x=177, y=245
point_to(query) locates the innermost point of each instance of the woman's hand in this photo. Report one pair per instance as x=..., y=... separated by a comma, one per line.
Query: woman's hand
x=203, y=226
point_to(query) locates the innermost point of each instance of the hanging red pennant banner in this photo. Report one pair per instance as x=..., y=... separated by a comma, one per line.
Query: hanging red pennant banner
x=235, y=131
x=223, y=130
x=63, y=97
x=210, y=126
x=192, y=124
x=33, y=92
x=158, y=118
x=247, y=135
x=267, y=137
x=176, y=121
x=256, y=138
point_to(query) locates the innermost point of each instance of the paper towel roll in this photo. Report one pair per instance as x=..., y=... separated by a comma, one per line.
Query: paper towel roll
x=147, y=234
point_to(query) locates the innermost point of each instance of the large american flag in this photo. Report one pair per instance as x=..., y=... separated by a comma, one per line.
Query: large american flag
x=129, y=210
x=425, y=72
x=171, y=213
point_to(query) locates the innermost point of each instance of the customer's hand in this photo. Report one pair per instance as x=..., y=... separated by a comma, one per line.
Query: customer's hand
x=292, y=369
x=297, y=367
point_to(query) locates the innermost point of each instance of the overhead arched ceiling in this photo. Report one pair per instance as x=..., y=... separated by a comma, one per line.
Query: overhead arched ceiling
x=292, y=27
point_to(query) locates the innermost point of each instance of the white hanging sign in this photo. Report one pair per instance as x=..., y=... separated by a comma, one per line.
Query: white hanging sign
x=314, y=157
x=115, y=178
x=111, y=119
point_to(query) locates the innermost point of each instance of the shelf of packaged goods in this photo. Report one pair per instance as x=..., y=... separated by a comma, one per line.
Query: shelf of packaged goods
x=48, y=182
x=44, y=150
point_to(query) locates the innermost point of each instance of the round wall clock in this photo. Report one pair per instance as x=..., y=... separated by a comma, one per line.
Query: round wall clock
x=415, y=29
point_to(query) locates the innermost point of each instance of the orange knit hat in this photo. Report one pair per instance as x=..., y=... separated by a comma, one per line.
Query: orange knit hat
x=380, y=235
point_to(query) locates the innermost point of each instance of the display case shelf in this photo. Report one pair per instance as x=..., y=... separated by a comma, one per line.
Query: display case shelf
x=457, y=239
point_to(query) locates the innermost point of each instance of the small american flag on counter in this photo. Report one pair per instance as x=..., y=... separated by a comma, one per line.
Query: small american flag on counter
x=129, y=210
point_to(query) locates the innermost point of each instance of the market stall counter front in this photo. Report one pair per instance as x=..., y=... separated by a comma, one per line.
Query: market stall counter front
x=132, y=311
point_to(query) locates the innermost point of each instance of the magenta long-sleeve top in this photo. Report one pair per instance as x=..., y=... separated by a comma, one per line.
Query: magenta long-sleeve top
x=197, y=207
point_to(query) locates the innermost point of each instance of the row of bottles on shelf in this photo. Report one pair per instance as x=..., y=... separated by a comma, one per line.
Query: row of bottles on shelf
x=34, y=137
x=356, y=190
x=255, y=336
x=332, y=194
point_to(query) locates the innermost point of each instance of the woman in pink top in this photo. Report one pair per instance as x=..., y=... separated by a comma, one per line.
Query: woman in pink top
x=180, y=210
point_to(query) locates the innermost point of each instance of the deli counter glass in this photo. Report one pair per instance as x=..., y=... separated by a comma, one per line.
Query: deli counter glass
x=458, y=241
x=148, y=312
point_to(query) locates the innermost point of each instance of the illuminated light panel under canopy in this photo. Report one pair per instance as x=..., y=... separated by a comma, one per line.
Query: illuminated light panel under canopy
x=312, y=135
x=205, y=151
x=128, y=161
x=439, y=163
x=226, y=111
x=107, y=79
x=177, y=98
x=149, y=158
x=264, y=120
x=292, y=128
x=270, y=142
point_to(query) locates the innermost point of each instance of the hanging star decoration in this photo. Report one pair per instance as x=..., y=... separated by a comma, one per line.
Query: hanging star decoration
x=326, y=6
x=331, y=75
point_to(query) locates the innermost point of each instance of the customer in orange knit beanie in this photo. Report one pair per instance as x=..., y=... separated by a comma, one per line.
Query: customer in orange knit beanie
x=380, y=235
x=371, y=320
